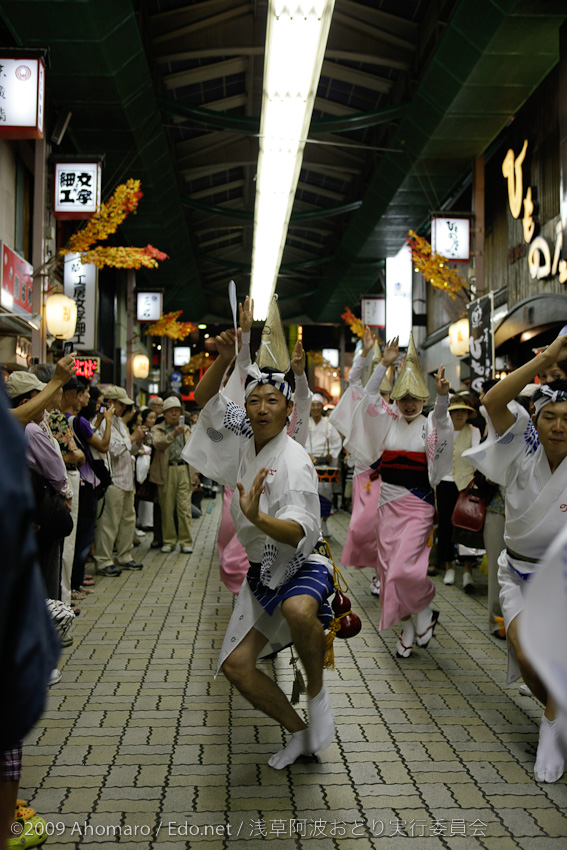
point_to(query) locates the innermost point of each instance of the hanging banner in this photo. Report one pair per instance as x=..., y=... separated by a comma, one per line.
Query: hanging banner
x=481, y=341
x=81, y=282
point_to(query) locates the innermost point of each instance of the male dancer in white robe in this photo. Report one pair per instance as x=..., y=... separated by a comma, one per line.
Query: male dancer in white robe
x=532, y=463
x=276, y=514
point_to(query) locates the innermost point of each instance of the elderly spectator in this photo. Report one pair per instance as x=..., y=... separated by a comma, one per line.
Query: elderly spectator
x=172, y=476
x=115, y=525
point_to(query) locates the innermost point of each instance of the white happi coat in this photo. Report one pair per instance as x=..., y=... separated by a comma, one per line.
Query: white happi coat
x=342, y=416
x=222, y=447
x=378, y=426
x=536, y=499
x=323, y=439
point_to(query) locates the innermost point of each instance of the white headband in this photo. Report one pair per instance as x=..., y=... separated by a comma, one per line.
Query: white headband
x=276, y=379
x=548, y=397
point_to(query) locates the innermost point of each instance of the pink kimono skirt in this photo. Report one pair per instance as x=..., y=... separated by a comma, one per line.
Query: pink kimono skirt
x=404, y=526
x=360, y=545
x=233, y=561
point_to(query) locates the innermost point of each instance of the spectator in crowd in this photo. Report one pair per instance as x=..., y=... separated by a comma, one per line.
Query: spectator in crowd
x=173, y=477
x=448, y=489
x=44, y=456
x=115, y=525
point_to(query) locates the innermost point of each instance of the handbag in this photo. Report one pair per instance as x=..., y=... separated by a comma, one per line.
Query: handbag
x=470, y=509
x=51, y=515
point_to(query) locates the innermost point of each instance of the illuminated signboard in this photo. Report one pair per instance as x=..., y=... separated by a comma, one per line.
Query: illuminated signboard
x=149, y=306
x=22, y=84
x=16, y=281
x=80, y=283
x=76, y=189
x=87, y=367
x=374, y=312
x=450, y=237
x=399, y=279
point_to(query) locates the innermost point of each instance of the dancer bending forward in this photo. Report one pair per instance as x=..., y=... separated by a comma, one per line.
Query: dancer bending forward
x=276, y=515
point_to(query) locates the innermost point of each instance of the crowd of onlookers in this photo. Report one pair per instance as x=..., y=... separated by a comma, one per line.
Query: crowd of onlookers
x=96, y=470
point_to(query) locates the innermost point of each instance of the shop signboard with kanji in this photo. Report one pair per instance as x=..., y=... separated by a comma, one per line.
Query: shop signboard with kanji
x=16, y=281
x=481, y=341
x=149, y=306
x=22, y=85
x=76, y=189
x=81, y=284
x=451, y=237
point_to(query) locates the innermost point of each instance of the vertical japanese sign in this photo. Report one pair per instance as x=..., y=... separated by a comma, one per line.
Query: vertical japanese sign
x=77, y=190
x=450, y=237
x=16, y=278
x=21, y=98
x=481, y=340
x=81, y=284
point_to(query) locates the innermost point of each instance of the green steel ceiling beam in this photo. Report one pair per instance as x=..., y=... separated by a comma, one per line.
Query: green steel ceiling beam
x=247, y=215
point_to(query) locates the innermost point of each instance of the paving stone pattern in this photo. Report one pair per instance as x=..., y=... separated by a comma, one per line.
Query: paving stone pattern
x=140, y=745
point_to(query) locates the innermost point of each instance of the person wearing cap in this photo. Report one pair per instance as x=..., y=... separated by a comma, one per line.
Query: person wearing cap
x=416, y=452
x=76, y=396
x=529, y=456
x=276, y=513
x=40, y=400
x=359, y=550
x=448, y=489
x=44, y=456
x=115, y=526
x=173, y=477
x=324, y=446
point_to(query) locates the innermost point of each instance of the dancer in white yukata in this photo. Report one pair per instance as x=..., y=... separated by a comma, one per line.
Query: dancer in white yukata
x=276, y=513
x=416, y=453
x=359, y=550
x=324, y=446
x=233, y=561
x=532, y=464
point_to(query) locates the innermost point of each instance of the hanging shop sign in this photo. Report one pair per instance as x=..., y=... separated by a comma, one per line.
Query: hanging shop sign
x=543, y=257
x=481, y=340
x=87, y=367
x=77, y=189
x=399, y=280
x=150, y=306
x=22, y=87
x=81, y=284
x=451, y=238
x=16, y=281
x=373, y=312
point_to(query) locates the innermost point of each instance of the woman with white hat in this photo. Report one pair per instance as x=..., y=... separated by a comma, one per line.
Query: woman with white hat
x=448, y=489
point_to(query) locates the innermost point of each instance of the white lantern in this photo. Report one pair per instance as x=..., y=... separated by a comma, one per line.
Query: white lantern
x=459, y=338
x=141, y=366
x=61, y=316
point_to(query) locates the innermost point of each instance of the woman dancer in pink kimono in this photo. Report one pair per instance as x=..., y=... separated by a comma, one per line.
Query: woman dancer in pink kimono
x=416, y=453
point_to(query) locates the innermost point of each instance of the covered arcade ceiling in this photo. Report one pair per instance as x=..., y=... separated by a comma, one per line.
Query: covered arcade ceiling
x=411, y=92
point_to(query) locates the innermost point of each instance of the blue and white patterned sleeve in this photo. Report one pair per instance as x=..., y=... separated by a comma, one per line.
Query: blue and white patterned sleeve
x=497, y=456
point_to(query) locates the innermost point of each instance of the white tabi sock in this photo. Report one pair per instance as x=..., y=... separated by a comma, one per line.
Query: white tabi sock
x=423, y=619
x=321, y=722
x=550, y=762
x=298, y=746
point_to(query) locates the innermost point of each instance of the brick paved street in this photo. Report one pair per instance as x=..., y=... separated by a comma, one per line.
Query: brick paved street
x=141, y=746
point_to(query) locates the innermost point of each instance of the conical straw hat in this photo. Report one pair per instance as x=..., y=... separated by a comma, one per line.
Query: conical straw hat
x=273, y=351
x=410, y=380
x=385, y=386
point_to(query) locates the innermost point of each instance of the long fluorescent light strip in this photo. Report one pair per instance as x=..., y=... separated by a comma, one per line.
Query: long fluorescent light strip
x=296, y=38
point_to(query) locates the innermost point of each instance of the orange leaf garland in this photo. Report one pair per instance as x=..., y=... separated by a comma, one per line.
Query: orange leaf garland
x=167, y=325
x=434, y=267
x=103, y=224
x=356, y=325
